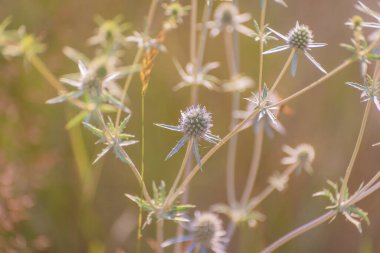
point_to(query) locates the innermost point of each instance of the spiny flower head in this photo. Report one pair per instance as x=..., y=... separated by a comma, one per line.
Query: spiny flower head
x=227, y=18
x=300, y=37
x=205, y=232
x=195, y=124
x=302, y=156
x=195, y=121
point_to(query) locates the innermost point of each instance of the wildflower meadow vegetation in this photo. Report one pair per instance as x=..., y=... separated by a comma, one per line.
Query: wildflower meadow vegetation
x=190, y=126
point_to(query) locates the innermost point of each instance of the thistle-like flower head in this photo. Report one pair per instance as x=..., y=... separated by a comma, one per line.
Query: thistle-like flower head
x=195, y=124
x=227, y=18
x=205, y=232
x=301, y=156
x=299, y=38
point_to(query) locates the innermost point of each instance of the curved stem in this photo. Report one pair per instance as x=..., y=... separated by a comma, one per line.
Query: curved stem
x=356, y=150
x=257, y=150
x=299, y=231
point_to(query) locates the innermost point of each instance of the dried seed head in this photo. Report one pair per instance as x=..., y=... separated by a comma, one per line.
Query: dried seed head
x=195, y=121
x=225, y=14
x=206, y=227
x=300, y=37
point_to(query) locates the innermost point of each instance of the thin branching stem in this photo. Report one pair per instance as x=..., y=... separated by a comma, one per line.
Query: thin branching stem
x=254, y=202
x=318, y=221
x=256, y=155
x=336, y=70
x=160, y=235
x=180, y=173
x=261, y=49
x=299, y=231
x=196, y=59
x=356, y=150
x=283, y=70
x=232, y=146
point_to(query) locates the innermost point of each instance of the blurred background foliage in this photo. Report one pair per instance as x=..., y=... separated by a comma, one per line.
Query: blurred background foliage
x=37, y=163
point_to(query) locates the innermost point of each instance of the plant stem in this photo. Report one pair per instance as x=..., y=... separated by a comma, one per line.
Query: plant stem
x=299, y=231
x=269, y=189
x=356, y=150
x=257, y=149
x=137, y=58
x=179, y=174
x=261, y=59
x=314, y=84
x=318, y=221
x=232, y=146
x=160, y=235
x=259, y=140
x=283, y=70
x=139, y=230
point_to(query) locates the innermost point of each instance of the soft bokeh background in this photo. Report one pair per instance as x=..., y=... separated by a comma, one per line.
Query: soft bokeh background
x=36, y=147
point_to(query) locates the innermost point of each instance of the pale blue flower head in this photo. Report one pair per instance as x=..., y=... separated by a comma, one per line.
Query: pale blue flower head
x=299, y=38
x=195, y=124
